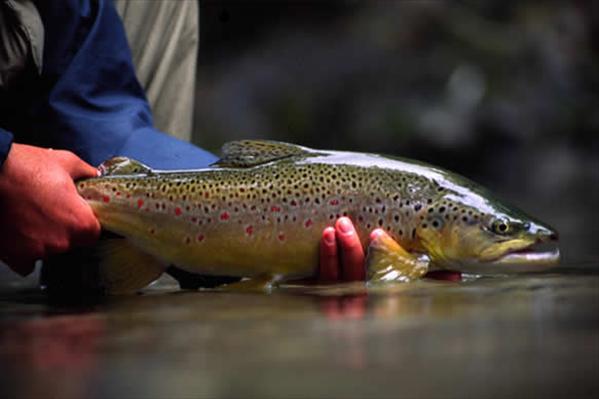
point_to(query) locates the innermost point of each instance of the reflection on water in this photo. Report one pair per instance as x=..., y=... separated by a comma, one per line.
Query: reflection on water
x=40, y=352
x=535, y=335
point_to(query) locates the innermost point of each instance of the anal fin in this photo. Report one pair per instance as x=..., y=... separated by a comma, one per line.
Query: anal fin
x=387, y=261
x=124, y=269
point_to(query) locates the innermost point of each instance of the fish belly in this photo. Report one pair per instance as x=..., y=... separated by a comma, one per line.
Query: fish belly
x=227, y=247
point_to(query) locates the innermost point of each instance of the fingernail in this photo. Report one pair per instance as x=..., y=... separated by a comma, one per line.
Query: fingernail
x=329, y=236
x=345, y=225
x=376, y=234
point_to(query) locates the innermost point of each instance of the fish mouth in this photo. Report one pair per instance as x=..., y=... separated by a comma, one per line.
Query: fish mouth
x=538, y=256
x=535, y=257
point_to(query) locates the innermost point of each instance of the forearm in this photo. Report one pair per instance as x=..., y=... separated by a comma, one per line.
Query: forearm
x=95, y=106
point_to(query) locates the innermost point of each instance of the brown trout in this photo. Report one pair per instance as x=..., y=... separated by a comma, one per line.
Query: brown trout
x=260, y=211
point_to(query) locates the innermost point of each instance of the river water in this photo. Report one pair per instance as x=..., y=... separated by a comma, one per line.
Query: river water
x=522, y=336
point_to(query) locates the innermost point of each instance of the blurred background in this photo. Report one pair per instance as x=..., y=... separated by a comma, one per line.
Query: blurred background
x=503, y=92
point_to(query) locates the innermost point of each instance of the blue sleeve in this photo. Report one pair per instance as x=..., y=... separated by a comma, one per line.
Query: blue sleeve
x=88, y=99
x=5, y=143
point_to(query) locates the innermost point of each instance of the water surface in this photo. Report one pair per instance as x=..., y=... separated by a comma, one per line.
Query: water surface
x=523, y=336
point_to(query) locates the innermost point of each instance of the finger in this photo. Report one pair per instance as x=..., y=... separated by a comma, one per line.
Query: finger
x=328, y=270
x=377, y=233
x=352, y=253
x=75, y=166
x=88, y=227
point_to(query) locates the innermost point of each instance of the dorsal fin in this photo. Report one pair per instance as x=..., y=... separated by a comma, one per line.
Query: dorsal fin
x=247, y=153
x=123, y=166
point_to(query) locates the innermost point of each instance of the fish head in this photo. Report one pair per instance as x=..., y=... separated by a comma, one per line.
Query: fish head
x=489, y=239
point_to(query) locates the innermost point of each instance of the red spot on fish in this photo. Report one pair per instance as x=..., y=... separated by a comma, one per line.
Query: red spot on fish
x=128, y=195
x=293, y=203
x=106, y=198
x=200, y=237
x=334, y=202
x=194, y=219
x=253, y=208
x=281, y=237
x=177, y=211
x=308, y=223
x=140, y=203
x=275, y=209
x=206, y=195
x=118, y=194
x=224, y=216
x=249, y=230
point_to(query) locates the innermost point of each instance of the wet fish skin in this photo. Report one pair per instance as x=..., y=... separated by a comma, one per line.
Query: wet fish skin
x=262, y=208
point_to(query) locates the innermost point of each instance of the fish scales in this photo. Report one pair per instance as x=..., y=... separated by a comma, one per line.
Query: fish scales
x=262, y=208
x=247, y=221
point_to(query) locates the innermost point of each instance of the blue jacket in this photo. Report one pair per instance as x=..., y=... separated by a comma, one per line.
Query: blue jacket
x=87, y=98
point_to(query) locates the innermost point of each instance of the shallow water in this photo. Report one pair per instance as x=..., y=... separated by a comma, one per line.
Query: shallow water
x=521, y=336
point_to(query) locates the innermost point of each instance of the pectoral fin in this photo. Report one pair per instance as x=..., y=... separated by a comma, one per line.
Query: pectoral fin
x=388, y=261
x=124, y=269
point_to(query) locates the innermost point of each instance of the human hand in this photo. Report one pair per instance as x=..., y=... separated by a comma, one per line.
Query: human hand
x=40, y=209
x=342, y=256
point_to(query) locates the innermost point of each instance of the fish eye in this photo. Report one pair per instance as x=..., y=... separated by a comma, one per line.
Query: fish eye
x=500, y=226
